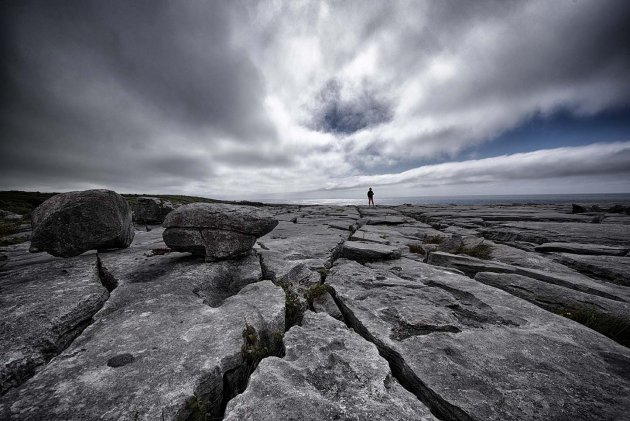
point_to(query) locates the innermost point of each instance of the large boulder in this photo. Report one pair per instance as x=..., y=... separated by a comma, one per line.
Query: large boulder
x=151, y=210
x=217, y=231
x=69, y=224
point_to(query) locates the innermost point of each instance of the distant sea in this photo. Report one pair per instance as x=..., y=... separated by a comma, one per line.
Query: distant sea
x=469, y=200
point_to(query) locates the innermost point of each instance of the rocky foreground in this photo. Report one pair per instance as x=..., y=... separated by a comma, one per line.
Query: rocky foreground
x=351, y=313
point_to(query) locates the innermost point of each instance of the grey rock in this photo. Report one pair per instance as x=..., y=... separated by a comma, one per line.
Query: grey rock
x=568, y=232
x=151, y=210
x=329, y=372
x=579, y=248
x=598, y=311
x=577, y=208
x=368, y=252
x=613, y=269
x=361, y=235
x=182, y=350
x=471, y=266
x=217, y=231
x=452, y=245
x=43, y=307
x=69, y=224
x=326, y=304
x=475, y=352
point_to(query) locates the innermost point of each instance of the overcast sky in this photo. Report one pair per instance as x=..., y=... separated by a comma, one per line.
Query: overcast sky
x=244, y=99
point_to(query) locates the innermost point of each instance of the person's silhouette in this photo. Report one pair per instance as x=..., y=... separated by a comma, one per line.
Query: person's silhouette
x=371, y=197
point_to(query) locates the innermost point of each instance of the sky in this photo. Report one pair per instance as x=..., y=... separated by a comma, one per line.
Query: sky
x=306, y=99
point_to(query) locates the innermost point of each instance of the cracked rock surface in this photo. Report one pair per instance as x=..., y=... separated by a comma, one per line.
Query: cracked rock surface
x=329, y=372
x=43, y=307
x=470, y=351
x=457, y=323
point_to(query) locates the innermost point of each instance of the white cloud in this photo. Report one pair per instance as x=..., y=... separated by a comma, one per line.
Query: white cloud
x=254, y=98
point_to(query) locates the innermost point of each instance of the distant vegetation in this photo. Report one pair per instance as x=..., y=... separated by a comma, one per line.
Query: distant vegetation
x=24, y=203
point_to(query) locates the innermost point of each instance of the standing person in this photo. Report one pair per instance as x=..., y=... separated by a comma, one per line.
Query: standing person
x=371, y=197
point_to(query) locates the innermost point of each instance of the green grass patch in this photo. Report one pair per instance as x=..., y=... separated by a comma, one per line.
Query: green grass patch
x=315, y=291
x=294, y=307
x=256, y=347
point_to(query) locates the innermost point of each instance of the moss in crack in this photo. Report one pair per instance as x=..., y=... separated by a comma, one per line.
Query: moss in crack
x=313, y=292
x=196, y=409
x=323, y=273
x=294, y=307
x=480, y=251
x=416, y=249
x=615, y=328
x=433, y=239
x=257, y=347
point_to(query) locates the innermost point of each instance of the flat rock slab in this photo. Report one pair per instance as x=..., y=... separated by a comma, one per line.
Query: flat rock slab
x=368, y=252
x=471, y=266
x=610, y=268
x=329, y=372
x=568, y=232
x=528, y=259
x=471, y=351
x=609, y=317
x=43, y=308
x=155, y=350
x=589, y=249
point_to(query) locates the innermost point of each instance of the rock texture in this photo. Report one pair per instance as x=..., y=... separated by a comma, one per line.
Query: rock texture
x=217, y=231
x=610, y=317
x=151, y=210
x=156, y=350
x=42, y=309
x=328, y=373
x=609, y=268
x=368, y=252
x=69, y=224
x=470, y=351
x=589, y=249
x=468, y=332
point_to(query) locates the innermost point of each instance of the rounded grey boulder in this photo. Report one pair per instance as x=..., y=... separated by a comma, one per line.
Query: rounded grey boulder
x=217, y=231
x=69, y=224
x=151, y=210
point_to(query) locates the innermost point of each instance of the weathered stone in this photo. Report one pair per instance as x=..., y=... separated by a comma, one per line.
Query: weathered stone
x=613, y=269
x=217, y=231
x=471, y=266
x=151, y=210
x=69, y=224
x=325, y=303
x=577, y=208
x=612, y=318
x=568, y=232
x=452, y=245
x=185, y=354
x=43, y=307
x=361, y=235
x=368, y=252
x=577, y=248
x=471, y=351
x=329, y=372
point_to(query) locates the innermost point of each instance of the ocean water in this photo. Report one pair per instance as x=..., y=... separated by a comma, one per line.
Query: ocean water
x=620, y=198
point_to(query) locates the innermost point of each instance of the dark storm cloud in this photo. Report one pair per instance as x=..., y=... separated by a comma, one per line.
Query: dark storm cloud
x=334, y=114
x=244, y=95
x=116, y=87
